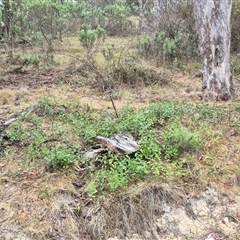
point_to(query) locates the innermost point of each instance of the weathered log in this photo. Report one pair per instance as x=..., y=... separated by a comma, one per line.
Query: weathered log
x=120, y=143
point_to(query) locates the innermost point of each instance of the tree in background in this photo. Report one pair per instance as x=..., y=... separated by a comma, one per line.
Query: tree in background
x=12, y=14
x=214, y=34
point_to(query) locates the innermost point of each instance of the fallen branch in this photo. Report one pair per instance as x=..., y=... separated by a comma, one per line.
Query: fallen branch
x=7, y=123
x=120, y=143
x=14, y=116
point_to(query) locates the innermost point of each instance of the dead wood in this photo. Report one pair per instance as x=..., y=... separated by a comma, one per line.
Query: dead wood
x=93, y=153
x=114, y=107
x=14, y=116
x=7, y=123
x=120, y=143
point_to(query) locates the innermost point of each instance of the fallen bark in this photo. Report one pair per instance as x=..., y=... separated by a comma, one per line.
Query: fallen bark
x=120, y=143
x=93, y=153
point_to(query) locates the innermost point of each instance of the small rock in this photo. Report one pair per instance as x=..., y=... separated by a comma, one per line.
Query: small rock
x=225, y=220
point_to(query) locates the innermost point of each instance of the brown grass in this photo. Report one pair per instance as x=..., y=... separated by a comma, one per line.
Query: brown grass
x=6, y=97
x=133, y=212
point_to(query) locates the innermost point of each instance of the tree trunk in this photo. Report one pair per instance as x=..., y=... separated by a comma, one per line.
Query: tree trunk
x=213, y=26
x=6, y=18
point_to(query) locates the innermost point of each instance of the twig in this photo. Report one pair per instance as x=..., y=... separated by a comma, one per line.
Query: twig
x=233, y=219
x=14, y=116
x=114, y=105
x=7, y=123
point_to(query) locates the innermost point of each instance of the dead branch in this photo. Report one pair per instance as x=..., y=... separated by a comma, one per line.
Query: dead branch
x=120, y=143
x=7, y=123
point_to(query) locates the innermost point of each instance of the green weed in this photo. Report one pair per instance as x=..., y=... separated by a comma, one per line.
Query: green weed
x=60, y=158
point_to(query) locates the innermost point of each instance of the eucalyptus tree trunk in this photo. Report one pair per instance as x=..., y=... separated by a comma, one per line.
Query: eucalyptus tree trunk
x=213, y=28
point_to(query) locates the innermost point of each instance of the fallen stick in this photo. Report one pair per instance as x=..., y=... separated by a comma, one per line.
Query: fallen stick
x=14, y=116
x=7, y=123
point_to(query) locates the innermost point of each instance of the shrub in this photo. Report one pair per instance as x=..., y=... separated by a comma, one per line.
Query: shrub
x=117, y=22
x=235, y=27
x=235, y=64
x=173, y=35
x=90, y=39
x=177, y=140
x=60, y=158
x=165, y=49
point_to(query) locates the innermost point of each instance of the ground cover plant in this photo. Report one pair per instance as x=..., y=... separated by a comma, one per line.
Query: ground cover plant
x=171, y=136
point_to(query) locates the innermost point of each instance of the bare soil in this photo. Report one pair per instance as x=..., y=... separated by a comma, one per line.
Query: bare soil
x=207, y=216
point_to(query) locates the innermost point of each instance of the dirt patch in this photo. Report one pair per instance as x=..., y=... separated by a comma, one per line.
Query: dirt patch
x=144, y=213
x=177, y=217
x=27, y=79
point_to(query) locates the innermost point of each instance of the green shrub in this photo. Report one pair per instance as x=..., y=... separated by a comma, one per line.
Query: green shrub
x=60, y=158
x=117, y=13
x=177, y=140
x=235, y=64
x=235, y=27
x=90, y=39
x=174, y=38
x=157, y=46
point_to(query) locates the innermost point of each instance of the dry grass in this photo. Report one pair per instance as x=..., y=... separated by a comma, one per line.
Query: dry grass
x=34, y=200
x=6, y=97
x=133, y=212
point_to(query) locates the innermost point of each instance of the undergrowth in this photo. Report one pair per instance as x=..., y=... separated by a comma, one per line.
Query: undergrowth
x=169, y=134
